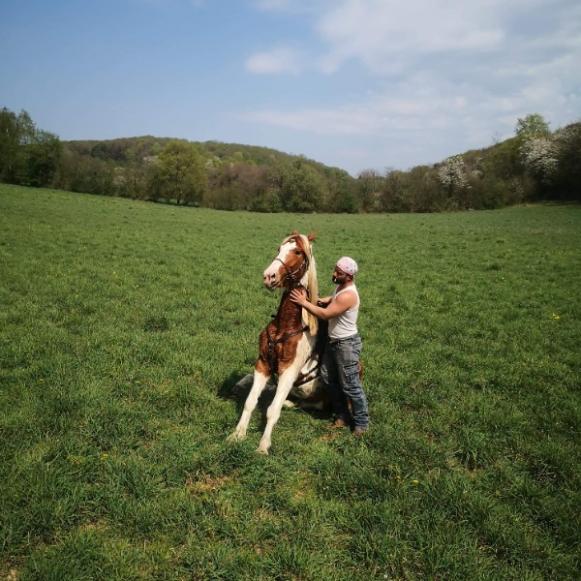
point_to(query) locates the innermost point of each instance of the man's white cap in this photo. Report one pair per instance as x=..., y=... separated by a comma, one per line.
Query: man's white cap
x=347, y=265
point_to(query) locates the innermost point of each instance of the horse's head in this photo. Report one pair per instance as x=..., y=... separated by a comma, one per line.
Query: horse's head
x=292, y=263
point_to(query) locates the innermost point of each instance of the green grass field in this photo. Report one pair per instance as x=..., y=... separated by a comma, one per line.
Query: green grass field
x=124, y=325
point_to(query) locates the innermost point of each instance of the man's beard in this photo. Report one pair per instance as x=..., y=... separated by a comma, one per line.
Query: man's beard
x=338, y=280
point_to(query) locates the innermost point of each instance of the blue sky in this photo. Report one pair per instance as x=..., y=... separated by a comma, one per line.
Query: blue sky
x=353, y=83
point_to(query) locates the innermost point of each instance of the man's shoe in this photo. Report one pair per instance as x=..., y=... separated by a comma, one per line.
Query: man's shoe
x=359, y=431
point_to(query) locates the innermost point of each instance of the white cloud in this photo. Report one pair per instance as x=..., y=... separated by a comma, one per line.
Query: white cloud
x=278, y=60
x=384, y=34
x=409, y=108
x=448, y=74
x=426, y=119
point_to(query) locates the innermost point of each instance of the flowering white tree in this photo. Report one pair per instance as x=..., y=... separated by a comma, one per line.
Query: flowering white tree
x=452, y=175
x=537, y=149
x=540, y=157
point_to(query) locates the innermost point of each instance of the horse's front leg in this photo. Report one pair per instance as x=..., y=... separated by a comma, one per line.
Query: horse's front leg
x=285, y=383
x=260, y=381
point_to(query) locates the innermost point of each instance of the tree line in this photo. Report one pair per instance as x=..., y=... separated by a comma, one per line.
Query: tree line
x=535, y=164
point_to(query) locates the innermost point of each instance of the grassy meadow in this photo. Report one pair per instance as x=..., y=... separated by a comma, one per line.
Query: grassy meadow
x=124, y=326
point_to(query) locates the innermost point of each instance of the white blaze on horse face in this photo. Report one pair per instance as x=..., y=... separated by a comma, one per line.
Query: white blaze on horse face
x=276, y=271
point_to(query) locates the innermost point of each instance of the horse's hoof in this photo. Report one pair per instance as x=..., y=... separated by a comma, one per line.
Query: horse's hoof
x=235, y=437
x=263, y=451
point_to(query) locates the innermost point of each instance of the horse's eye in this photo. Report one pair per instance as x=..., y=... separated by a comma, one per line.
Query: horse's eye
x=298, y=252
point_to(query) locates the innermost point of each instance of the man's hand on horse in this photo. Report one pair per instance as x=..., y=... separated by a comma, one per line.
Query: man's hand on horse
x=299, y=296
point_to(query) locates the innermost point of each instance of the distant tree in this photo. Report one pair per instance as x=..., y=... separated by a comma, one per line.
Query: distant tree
x=537, y=150
x=533, y=125
x=152, y=181
x=90, y=175
x=503, y=160
x=567, y=178
x=392, y=195
x=180, y=173
x=302, y=188
x=453, y=178
x=236, y=186
x=266, y=201
x=9, y=145
x=42, y=159
x=369, y=184
x=131, y=177
x=539, y=155
x=340, y=193
x=28, y=155
x=423, y=192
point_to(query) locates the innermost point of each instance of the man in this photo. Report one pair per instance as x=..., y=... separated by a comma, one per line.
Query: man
x=340, y=368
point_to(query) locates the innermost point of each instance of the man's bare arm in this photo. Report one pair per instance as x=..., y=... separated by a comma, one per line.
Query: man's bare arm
x=337, y=307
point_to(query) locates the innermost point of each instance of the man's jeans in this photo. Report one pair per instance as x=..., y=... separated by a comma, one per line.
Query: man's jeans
x=340, y=372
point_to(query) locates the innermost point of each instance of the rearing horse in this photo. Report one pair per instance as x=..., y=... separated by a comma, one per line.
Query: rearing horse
x=288, y=344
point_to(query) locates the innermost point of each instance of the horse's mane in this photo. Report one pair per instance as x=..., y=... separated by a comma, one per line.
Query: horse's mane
x=311, y=283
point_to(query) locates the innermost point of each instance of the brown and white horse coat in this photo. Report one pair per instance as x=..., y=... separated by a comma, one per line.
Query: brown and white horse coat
x=289, y=341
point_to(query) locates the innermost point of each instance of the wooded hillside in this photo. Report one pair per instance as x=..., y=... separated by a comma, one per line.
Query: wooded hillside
x=535, y=164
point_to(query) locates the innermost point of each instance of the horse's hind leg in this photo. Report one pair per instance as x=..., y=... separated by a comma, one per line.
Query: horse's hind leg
x=260, y=381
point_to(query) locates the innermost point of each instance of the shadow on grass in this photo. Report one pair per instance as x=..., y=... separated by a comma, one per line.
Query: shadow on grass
x=237, y=386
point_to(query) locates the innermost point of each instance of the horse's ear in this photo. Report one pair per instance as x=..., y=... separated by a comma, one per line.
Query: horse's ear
x=294, y=233
x=311, y=237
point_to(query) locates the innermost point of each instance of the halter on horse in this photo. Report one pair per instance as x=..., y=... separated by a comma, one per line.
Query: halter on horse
x=288, y=344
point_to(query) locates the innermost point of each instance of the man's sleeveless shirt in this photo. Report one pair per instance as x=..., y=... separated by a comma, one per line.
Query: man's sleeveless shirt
x=345, y=325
